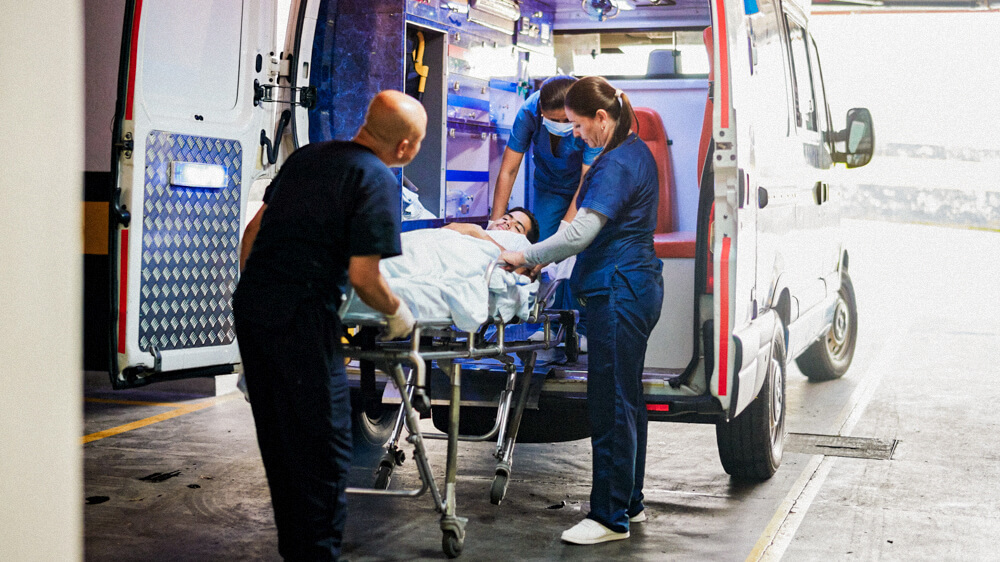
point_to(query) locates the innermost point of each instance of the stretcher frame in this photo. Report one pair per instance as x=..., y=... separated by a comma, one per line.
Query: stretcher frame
x=447, y=345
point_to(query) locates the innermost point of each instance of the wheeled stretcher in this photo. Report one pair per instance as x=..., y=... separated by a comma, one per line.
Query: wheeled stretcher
x=438, y=340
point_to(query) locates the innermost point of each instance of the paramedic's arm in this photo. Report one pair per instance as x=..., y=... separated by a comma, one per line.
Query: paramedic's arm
x=571, y=211
x=509, y=166
x=568, y=242
x=368, y=282
x=249, y=235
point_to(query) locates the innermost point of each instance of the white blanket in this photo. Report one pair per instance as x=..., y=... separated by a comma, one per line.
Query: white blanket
x=442, y=274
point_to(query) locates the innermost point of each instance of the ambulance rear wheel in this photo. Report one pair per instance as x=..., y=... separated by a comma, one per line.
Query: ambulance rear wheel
x=830, y=356
x=371, y=427
x=751, y=444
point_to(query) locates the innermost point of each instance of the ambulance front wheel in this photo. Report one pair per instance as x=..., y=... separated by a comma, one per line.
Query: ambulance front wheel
x=829, y=357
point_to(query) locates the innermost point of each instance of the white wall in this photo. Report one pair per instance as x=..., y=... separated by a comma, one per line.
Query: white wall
x=41, y=143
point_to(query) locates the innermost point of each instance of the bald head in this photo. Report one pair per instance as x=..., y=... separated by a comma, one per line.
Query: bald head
x=394, y=127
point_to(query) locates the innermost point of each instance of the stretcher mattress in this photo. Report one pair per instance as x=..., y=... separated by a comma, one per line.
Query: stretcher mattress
x=441, y=274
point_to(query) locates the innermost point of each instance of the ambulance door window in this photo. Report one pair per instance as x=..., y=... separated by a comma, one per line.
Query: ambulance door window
x=822, y=114
x=805, y=109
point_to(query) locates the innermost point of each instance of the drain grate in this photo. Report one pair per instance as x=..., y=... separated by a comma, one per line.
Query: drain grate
x=840, y=446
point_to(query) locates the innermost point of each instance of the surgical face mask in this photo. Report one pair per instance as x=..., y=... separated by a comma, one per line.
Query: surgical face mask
x=558, y=129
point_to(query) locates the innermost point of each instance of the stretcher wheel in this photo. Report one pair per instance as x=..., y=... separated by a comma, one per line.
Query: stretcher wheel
x=382, y=476
x=451, y=544
x=499, y=488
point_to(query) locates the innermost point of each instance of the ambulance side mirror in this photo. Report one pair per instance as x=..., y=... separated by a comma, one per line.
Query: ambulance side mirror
x=858, y=138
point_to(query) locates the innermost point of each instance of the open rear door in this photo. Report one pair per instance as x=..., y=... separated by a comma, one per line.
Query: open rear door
x=734, y=240
x=187, y=147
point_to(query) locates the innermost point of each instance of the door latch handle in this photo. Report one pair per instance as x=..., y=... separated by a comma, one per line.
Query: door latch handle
x=821, y=192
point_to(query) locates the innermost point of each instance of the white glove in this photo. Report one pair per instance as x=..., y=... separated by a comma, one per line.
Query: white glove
x=400, y=323
x=562, y=226
x=564, y=269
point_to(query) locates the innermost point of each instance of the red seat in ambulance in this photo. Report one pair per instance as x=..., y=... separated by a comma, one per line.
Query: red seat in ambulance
x=667, y=241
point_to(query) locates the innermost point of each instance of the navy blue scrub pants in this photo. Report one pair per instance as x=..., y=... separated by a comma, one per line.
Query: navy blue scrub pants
x=627, y=315
x=301, y=407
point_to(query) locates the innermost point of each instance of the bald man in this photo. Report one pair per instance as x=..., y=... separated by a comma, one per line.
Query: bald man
x=329, y=216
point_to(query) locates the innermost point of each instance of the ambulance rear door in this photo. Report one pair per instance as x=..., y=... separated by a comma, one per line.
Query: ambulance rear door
x=734, y=236
x=188, y=133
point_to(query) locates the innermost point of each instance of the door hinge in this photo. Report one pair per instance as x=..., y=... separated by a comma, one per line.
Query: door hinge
x=125, y=146
x=305, y=96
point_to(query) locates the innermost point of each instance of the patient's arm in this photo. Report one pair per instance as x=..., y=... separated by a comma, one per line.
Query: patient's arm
x=473, y=230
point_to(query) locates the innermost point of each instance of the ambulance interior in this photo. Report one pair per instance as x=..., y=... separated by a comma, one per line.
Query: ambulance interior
x=473, y=63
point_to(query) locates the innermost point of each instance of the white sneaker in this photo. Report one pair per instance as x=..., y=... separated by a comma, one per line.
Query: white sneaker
x=589, y=531
x=638, y=517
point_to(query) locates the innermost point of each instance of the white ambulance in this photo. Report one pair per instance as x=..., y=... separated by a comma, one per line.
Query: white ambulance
x=755, y=271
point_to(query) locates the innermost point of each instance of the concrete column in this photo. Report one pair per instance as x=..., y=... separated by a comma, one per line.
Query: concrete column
x=41, y=149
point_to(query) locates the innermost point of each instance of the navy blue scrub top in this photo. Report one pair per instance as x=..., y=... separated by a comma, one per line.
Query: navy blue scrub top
x=557, y=172
x=330, y=201
x=623, y=186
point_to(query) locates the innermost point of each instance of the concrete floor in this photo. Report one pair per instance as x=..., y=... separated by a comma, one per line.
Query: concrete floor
x=191, y=486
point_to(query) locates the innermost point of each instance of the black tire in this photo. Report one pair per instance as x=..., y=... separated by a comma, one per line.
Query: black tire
x=751, y=444
x=499, y=488
x=829, y=357
x=371, y=428
x=382, y=477
x=451, y=544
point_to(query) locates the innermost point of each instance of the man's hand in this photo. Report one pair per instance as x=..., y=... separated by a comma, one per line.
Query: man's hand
x=400, y=323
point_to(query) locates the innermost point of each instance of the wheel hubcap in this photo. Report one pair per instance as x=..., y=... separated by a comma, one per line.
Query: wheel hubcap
x=777, y=401
x=836, y=341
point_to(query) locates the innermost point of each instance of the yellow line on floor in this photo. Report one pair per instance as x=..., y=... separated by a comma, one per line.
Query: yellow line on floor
x=133, y=402
x=178, y=410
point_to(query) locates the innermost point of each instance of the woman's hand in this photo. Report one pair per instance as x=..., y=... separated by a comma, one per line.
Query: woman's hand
x=514, y=260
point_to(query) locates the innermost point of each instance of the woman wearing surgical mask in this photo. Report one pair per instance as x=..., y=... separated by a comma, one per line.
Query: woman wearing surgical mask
x=560, y=158
x=619, y=275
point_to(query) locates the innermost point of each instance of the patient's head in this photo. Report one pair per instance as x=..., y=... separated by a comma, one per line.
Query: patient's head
x=519, y=220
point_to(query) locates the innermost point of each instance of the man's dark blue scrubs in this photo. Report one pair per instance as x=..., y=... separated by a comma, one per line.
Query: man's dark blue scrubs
x=330, y=201
x=620, y=277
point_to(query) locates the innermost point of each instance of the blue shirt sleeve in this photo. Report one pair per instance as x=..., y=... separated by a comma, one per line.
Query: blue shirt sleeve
x=375, y=219
x=606, y=189
x=525, y=125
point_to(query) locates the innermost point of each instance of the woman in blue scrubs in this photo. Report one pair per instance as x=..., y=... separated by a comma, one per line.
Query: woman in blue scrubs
x=560, y=158
x=619, y=276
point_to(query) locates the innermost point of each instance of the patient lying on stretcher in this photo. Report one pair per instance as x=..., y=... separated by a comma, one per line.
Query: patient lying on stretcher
x=442, y=272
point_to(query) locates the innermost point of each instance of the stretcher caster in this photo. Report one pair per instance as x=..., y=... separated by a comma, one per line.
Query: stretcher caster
x=421, y=402
x=382, y=476
x=451, y=544
x=499, y=488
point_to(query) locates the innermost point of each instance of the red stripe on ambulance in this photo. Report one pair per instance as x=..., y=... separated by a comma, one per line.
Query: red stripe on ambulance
x=723, y=49
x=122, y=291
x=132, y=58
x=724, y=317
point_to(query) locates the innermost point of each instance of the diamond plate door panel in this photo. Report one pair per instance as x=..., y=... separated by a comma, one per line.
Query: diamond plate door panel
x=190, y=246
